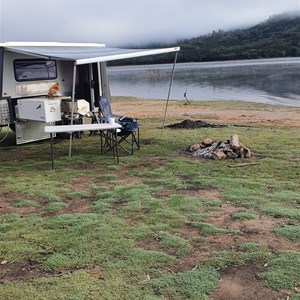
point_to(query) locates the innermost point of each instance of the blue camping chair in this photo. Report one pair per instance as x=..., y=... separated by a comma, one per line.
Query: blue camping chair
x=129, y=134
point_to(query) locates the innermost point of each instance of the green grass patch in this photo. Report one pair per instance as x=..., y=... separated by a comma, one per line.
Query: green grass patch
x=290, y=232
x=199, y=217
x=194, y=285
x=66, y=240
x=50, y=198
x=207, y=229
x=283, y=271
x=184, y=203
x=108, y=177
x=212, y=203
x=77, y=195
x=171, y=241
x=78, y=285
x=9, y=218
x=278, y=210
x=247, y=253
x=243, y=215
x=24, y=203
x=253, y=247
x=55, y=206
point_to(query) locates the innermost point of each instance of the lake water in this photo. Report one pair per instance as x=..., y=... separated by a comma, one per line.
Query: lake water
x=273, y=81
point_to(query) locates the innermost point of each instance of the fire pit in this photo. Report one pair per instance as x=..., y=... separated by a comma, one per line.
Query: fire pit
x=217, y=150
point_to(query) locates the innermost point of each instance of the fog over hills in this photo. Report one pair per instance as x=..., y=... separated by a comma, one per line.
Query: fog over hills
x=278, y=36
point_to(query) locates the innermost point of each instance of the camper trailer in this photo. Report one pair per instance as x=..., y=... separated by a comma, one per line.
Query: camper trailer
x=54, y=83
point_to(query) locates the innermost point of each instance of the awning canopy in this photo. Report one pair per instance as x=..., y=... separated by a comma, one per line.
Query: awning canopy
x=81, y=53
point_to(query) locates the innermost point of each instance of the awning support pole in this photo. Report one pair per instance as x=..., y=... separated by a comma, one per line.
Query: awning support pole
x=168, y=98
x=92, y=91
x=72, y=112
x=99, y=79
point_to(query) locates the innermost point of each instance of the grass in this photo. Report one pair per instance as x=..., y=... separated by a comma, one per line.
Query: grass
x=170, y=241
x=130, y=231
x=24, y=203
x=290, y=232
x=189, y=285
x=243, y=215
x=289, y=261
x=55, y=206
x=208, y=229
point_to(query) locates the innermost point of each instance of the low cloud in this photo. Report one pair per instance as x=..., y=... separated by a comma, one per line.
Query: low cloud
x=132, y=22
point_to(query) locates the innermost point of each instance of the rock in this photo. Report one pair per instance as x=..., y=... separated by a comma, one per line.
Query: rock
x=195, y=147
x=231, y=154
x=219, y=154
x=207, y=142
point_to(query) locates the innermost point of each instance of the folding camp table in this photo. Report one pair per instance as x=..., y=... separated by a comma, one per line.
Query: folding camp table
x=104, y=128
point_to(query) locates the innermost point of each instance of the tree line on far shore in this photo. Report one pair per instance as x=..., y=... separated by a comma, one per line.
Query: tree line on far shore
x=279, y=36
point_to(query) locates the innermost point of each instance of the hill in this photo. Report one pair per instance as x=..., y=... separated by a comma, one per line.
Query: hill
x=279, y=36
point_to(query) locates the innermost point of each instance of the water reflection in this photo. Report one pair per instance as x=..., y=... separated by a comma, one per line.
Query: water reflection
x=273, y=81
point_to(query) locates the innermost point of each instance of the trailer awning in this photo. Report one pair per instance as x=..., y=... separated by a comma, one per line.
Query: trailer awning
x=81, y=53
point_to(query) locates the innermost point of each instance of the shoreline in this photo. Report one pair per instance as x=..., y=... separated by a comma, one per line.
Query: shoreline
x=217, y=111
x=268, y=81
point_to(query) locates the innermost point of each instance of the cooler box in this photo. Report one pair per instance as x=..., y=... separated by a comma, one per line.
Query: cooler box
x=39, y=109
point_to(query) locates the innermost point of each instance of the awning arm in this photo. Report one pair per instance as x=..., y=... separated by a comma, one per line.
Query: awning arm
x=138, y=53
x=169, y=92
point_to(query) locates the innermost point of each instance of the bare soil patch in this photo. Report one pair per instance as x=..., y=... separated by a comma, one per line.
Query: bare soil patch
x=220, y=112
x=20, y=271
x=77, y=206
x=241, y=283
x=193, y=191
x=258, y=230
x=23, y=271
x=190, y=124
x=6, y=205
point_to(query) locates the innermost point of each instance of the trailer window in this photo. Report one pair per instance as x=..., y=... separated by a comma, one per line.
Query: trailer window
x=29, y=70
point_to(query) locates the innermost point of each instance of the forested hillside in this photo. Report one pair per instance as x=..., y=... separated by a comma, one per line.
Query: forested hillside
x=279, y=36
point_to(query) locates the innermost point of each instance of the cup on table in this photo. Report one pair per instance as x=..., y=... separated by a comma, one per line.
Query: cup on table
x=111, y=120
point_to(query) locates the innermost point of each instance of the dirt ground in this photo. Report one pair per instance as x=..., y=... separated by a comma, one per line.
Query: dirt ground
x=219, y=113
x=237, y=282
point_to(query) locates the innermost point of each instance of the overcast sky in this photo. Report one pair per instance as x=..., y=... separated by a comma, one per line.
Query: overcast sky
x=130, y=22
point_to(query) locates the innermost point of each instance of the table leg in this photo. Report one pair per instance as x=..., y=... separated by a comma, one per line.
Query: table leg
x=52, y=152
x=101, y=142
x=116, y=144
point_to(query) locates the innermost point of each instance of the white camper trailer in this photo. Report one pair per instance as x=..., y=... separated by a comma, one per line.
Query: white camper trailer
x=41, y=83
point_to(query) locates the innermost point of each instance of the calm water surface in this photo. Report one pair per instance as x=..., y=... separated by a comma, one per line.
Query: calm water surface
x=273, y=81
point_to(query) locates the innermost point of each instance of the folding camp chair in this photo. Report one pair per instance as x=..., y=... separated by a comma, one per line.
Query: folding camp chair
x=129, y=134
